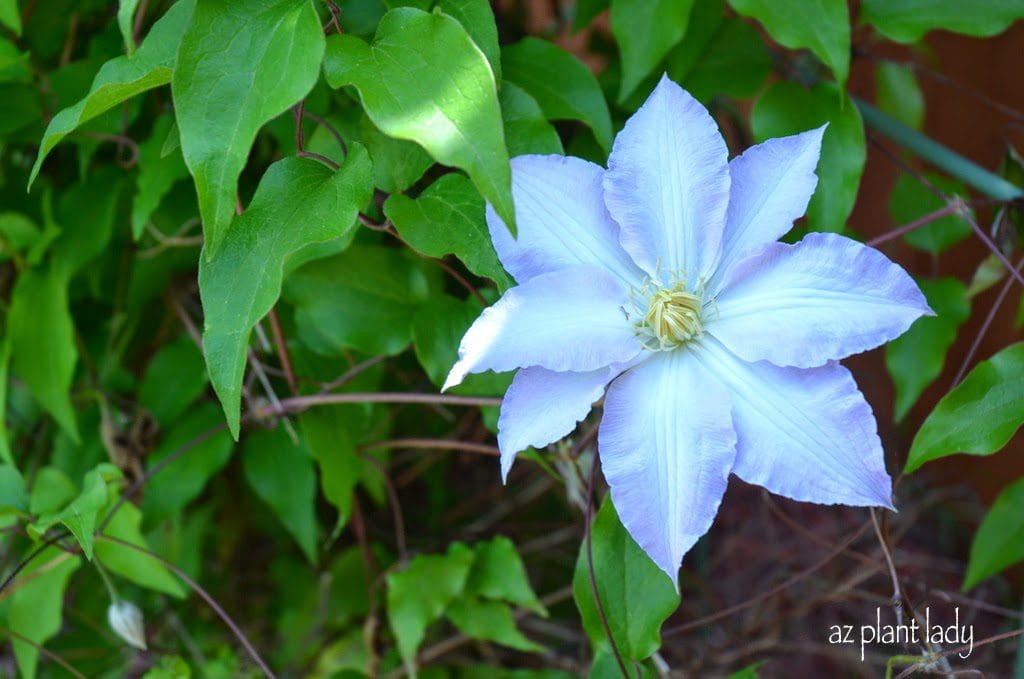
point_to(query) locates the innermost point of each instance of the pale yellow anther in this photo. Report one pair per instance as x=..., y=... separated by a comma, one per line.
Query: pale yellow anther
x=673, y=316
x=667, y=314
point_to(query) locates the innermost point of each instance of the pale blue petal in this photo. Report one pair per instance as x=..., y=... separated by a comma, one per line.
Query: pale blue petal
x=667, y=185
x=542, y=406
x=667, y=445
x=566, y=320
x=805, y=433
x=561, y=220
x=820, y=300
x=771, y=186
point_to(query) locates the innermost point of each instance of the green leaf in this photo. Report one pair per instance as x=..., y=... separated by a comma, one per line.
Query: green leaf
x=526, y=128
x=158, y=171
x=999, y=542
x=43, y=342
x=787, y=108
x=341, y=467
x=178, y=364
x=635, y=594
x=646, y=30
x=14, y=64
x=80, y=516
x=42, y=335
x=13, y=494
x=911, y=200
x=989, y=272
x=129, y=563
x=86, y=212
x=36, y=605
x=563, y=86
x=899, y=94
x=298, y=202
x=908, y=20
x=122, y=78
x=735, y=62
x=916, y=358
x=363, y=298
x=448, y=218
x=419, y=594
x=977, y=417
x=182, y=480
x=490, y=621
x=125, y=19
x=5, y=369
x=262, y=56
x=360, y=17
x=17, y=234
x=587, y=11
x=822, y=26
x=169, y=667
x=477, y=17
x=498, y=574
x=424, y=80
x=51, y=490
x=748, y=672
x=281, y=473
x=397, y=163
x=606, y=666
x=10, y=16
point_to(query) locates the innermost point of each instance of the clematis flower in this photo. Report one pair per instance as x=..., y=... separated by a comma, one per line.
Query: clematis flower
x=659, y=283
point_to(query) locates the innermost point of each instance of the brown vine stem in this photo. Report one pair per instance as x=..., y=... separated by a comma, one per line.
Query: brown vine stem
x=726, y=612
x=588, y=543
x=983, y=330
x=352, y=372
x=211, y=602
x=132, y=490
x=43, y=650
x=960, y=649
x=282, y=351
x=966, y=214
x=434, y=444
x=298, y=404
x=950, y=208
x=897, y=591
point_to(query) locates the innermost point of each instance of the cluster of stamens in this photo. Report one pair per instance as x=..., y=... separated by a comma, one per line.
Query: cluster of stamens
x=666, y=317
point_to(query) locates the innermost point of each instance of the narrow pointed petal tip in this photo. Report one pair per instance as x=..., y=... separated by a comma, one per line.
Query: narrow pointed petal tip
x=667, y=184
x=804, y=433
x=455, y=375
x=667, y=446
x=569, y=320
x=542, y=406
x=823, y=299
x=772, y=184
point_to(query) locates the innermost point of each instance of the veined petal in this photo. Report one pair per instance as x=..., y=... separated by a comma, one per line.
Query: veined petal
x=805, y=433
x=771, y=186
x=667, y=184
x=820, y=300
x=542, y=406
x=561, y=219
x=565, y=320
x=667, y=445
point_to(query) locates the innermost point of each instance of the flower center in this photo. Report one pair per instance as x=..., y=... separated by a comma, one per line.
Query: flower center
x=667, y=317
x=674, y=316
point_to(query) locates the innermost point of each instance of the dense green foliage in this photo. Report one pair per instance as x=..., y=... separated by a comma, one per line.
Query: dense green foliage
x=253, y=238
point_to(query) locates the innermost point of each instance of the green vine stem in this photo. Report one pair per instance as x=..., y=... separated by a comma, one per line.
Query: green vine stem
x=938, y=155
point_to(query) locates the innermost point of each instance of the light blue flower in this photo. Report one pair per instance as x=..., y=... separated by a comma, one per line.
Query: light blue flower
x=659, y=283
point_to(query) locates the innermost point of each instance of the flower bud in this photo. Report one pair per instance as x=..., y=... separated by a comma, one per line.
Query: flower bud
x=125, y=619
